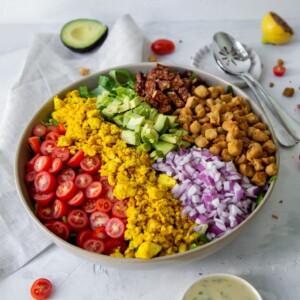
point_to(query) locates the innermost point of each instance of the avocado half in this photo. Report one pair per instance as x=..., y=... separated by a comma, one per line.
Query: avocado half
x=83, y=35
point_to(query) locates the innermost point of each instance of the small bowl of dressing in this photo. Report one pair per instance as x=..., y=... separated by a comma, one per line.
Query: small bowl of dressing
x=221, y=287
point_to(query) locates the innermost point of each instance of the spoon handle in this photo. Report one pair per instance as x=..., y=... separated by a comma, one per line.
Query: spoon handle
x=290, y=123
x=282, y=135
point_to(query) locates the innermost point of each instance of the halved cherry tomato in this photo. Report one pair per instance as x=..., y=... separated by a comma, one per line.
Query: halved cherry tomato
x=59, y=228
x=66, y=175
x=83, y=180
x=61, y=128
x=119, y=209
x=279, y=70
x=78, y=219
x=90, y=164
x=100, y=233
x=34, y=143
x=29, y=165
x=42, y=163
x=107, y=192
x=115, y=228
x=29, y=176
x=112, y=245
x=39, y=130
x=104, y=181
x=94, y=245
x=47, y=147
x=61, y=152
x=56, y=165
x=44, y=213
x=53, y=136
x=52, y=128
x=59, y=209
x=77, y=199
x=66, y=190
x=94, y=190
x=75, y=160
x=43, y=198
x=44, y=182
x=89, y=205
x=104, y=204
x=98, y=218
x=162, y=46
x=82, y=236
x=41, y=289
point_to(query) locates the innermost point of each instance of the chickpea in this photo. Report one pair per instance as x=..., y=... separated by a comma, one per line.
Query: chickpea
x=226, y=156
x=269, y=147
x=250, y=131
x=192, y=102
x=186, y=111
x=233, y=133
x=260, y=126
x=246, y=108
x=259, y=178
x=252, y=119
x=204, y=120
x=214, y=117
x=211, y=133
x=213, y=92
x=227, y=125
x=220, y=130
x=220, y=90
x=258, y=164
x=210, y=103
x=255, y=151
x=235, y=147
x=242, y=159
x=201, y=91
x=227, y=116
x=204, y=127
x=215, y=149
x=259, y=136
x=185, y=119
x=247, y=170
x=237, y=101
x=268, y=160
x=226, y=97
x=271, y=169
x=201, y=141
x=243, y=125
x=195, y=127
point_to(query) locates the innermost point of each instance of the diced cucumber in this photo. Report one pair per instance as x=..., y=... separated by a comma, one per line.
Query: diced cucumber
x=164, y=147
x=170, y=138
x=134, y=122
x=145, y=147
x=162, y=123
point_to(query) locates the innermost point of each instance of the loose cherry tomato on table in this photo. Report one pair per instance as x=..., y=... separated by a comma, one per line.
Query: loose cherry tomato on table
x=115, y=228
x=41, y=289
x=162, y=46
x=279, y=70
x=90, y=164
x=34, y=143
x=78, y=219
x=94, y=245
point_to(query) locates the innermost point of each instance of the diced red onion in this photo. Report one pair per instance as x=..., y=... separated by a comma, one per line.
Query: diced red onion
x=212, y=191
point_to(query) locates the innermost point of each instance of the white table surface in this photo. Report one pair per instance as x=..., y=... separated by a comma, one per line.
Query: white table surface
x=266, y=254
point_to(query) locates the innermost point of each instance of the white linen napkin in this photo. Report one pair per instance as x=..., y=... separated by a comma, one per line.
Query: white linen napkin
x=49, y=67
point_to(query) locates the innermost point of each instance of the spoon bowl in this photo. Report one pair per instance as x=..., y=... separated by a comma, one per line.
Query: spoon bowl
x=233, y=58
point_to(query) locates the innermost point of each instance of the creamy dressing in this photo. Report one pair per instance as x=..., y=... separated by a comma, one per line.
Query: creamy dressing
x=221, y=287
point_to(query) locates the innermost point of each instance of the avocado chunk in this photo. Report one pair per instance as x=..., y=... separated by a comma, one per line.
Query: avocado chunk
x=162, y=123
x=164, y=147
x=83, y=35
x=131, y=137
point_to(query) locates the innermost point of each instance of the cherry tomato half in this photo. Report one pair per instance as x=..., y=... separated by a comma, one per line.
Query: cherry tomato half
x=89, y=205
x=83, y=180
x=47, y=147
x=59, y=228
x=56, y=165
x=42, y=163
x=115, y=228
x=44, y=182
x=119, y=209
x=82, y=236
x=112, y=245
x=76, y=159
x=61, y=152
x=98, y=218
x=66, y=190
x=53, y=136
x=61, y=128
x=93, y=191
x=43, y=198
x=78, y=219
x=94, y=245
x=41, y=289
x=39, y=130
x=59, y=209
x=100, y=233
x=104, y=204
x=77, y=199
x=44, y=213
x=162, y=46
x=279, y=70
x=66, y=175
x=34, y=143
x=90, y=164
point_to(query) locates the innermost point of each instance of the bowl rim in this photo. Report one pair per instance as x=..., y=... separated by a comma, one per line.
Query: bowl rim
x=99, y=257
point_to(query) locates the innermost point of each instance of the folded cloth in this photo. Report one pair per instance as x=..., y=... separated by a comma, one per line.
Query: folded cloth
x=49, y=67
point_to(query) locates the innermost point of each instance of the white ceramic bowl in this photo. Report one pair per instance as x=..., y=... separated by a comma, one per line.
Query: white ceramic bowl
x=23, y=155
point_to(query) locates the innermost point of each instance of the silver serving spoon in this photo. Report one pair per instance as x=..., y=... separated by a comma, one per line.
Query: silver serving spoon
x=233, y=58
